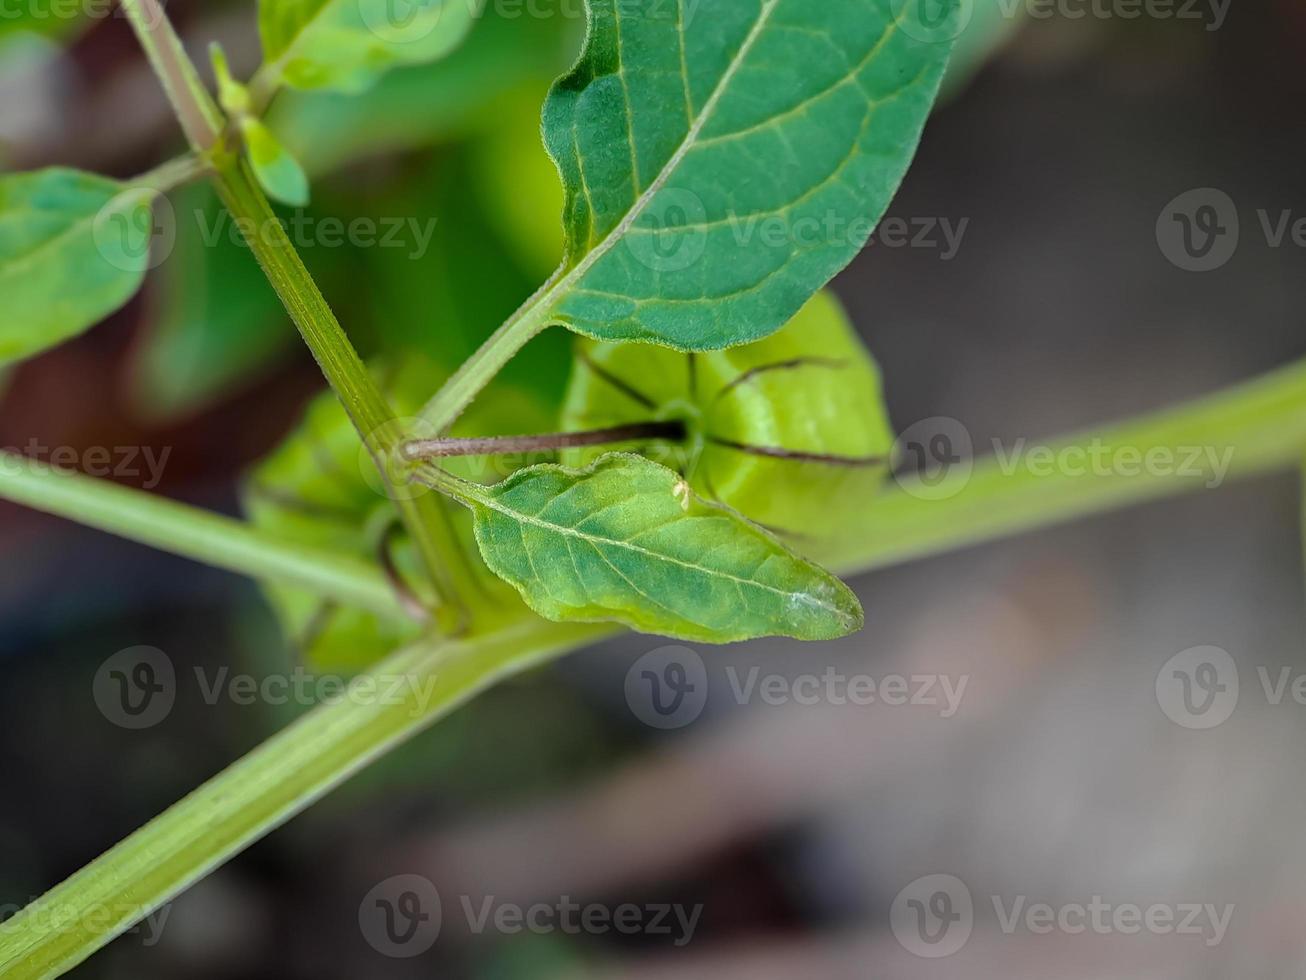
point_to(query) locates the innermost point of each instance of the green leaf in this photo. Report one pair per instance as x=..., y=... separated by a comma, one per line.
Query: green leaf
x=790, y=431
x=722, y=162
x=74, y=247
x=279, y=173
x=347, y=45
x=506, y=58
x=627, y=540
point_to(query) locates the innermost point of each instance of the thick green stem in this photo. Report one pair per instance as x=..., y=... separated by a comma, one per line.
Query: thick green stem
x=381, y=709
x=423, y=515
x=1263, y=423
x=194, y=533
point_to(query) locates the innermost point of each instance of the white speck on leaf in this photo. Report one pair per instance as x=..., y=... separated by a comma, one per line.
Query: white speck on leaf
x=681, y=493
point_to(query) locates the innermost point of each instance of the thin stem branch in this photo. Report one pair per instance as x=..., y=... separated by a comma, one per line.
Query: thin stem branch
x=175, y=173
x=193, y=533
x=419, y=449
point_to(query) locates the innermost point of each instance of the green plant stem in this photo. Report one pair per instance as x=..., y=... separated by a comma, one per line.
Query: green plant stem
x=200, y=118
x=1259, y=425
x=1263, y=422
x=424, y=515
x=384, y=707
x=194, y=533
x=173, y=174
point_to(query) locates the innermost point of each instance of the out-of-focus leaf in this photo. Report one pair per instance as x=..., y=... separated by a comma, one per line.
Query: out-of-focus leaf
x=677, y=136
x=277, y=170
x=518, y=187
x=346, y=45
x=790, y=431
x=420, y=106
x=627, y=540
x=74, y=247
x=219, y=323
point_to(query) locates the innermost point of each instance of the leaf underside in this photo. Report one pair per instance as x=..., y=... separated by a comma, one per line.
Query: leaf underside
x=723, y=161
x=627, y=540
x=347, y=45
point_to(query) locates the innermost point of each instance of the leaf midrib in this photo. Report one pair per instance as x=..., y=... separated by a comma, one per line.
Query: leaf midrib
x=642, y=202
x=595, y=541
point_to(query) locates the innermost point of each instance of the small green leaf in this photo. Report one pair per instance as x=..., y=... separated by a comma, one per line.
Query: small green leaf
x=346, y=45
x=276, y=169
x=626, y=540
x=723, y=161
x=74, y=247
x=790, y=431
x=232, y=95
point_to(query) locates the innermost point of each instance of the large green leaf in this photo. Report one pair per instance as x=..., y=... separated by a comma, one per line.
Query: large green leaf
x=722, y=162
x=347, y=45
x=790, y=431
x=73, y=248
x=627, y=540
